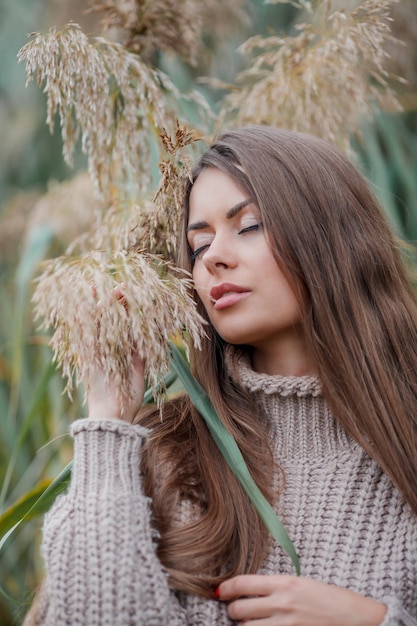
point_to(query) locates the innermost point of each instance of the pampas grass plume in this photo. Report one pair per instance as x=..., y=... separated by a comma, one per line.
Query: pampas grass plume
x=94, y=329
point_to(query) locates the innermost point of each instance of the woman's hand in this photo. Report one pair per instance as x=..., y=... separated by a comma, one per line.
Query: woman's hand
x=296, y=601
x=103, y=397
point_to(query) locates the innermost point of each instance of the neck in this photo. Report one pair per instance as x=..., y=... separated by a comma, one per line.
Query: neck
x=289, y=357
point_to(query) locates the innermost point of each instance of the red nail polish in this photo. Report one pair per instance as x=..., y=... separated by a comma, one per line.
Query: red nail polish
x=217, y=593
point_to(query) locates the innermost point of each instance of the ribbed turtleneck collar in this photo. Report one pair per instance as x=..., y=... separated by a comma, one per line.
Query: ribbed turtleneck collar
x=239, y=367
x=300, y=420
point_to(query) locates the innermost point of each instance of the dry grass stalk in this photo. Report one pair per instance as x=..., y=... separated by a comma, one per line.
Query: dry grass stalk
x=74, y=293
x=323, y=79
x=93, y=328
x=151, y=225
x=121, y=227
x=169, y=199
x=169, y=25
x=69, y=208
x=151, y=26
x=110, y=97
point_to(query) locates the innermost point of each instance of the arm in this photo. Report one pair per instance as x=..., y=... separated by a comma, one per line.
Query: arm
x=98, y=540
x=99, y=544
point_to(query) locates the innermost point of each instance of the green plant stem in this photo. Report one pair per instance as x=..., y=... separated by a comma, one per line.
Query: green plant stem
x=232, y=455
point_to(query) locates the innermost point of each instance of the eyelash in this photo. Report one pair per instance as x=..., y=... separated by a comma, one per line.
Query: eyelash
x=248, y=229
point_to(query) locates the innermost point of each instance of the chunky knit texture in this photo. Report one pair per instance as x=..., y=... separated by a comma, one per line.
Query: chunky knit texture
x=348, y=523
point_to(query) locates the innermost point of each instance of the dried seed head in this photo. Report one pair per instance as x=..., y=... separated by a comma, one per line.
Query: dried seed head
x=123, y=226
x=70, y=208
x=169, y=198
x=108, y=96
x=94, y=329
x=151, y=225
x=322, y=80
x=169, y=25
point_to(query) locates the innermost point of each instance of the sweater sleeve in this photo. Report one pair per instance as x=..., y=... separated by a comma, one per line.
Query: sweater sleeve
x=396, y=615
x=98, y=542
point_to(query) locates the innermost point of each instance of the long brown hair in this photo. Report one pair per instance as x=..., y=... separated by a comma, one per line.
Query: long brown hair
x=328, y=234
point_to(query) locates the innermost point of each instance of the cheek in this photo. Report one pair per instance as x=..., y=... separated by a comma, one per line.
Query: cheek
x=282, y=287
x=199, y=286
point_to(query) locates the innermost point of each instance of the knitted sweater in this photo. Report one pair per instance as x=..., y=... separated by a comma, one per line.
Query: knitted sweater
x=349, y=524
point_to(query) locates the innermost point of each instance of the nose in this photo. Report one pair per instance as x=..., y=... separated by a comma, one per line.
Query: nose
x=220, y=254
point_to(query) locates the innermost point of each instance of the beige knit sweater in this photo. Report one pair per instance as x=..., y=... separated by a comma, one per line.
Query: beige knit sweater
x=348, y=523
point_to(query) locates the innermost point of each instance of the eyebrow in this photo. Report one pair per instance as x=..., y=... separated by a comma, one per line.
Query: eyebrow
x=229, y=215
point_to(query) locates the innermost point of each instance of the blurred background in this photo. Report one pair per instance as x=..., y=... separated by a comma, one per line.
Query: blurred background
x=42, y=209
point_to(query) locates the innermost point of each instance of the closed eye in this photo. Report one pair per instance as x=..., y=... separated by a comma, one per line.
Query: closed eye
x=198, y=251
x=248, y=229
x=252, y=228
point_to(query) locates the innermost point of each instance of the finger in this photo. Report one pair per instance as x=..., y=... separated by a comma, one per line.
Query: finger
x=246, y=609
x=252, y=585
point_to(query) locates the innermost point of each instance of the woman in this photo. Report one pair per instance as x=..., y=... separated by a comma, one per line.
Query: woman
x=311, y=361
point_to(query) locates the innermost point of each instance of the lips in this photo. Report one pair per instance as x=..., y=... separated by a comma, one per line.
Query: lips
x=227, y=294
x=219, y=291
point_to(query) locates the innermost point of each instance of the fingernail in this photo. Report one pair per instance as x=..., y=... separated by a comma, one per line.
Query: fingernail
x=217, y=593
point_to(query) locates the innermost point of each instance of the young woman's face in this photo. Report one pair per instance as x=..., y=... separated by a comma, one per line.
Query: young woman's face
x=248, y=299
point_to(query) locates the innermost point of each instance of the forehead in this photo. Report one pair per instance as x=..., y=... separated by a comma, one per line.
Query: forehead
x=214, y=191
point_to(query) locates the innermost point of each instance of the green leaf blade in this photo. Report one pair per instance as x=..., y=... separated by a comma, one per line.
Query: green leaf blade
x=233, y=456
x=34, y=503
